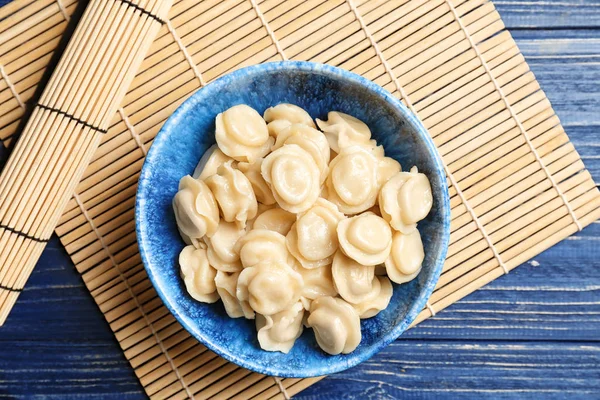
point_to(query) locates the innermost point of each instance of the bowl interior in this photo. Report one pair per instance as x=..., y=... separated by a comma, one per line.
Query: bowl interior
x=190, y=131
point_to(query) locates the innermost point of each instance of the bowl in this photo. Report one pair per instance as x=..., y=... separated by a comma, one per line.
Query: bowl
x=189, y=132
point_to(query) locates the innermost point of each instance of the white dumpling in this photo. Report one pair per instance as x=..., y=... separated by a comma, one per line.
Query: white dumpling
x=309, y=139
x=277, y=126
x=198, y=275
x=278, y=332
x=388, y=167
x=353, y=281
x=212, y=159
x=234, y=194
x=406, y=257
x=221, y=247
x=226, y=284
x=336, y=325
x=343, y=130
x=293, y=176
x=288, y=112
x=312, y=240
x=352, y=183
x=317, y=282
x=275, y=219
x=261, y=245
x=242, y=134
x=269, y=287
x=366, y=238
x=378, y=300
x=405, y=200
x=196, y=210
x=262, y=191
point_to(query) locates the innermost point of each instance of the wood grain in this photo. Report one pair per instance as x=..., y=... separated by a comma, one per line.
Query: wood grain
x=530, y=334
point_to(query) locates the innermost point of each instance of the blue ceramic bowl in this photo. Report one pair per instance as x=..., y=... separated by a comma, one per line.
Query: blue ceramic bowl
x=190, y=131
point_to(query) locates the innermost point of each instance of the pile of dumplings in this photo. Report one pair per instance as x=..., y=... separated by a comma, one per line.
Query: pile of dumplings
x=299, y=227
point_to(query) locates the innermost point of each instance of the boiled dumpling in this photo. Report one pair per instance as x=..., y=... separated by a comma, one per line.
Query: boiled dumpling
x=221, y=253
x=277, y=126
x=275, y=219
x=293, y=176
x=366, y=238
x=196, y=211
x=353, y=281
x=343, y=130
x=352, y=183
x=406, y=257
x=378, y=300
x=226, y=284
x=262, y=191
x=269, y=287
x=388, y=167
x=336, y=325
x=288, y=112
x=212, y=159
x=242, y=134
x=278, y=332
x=309, y=139
x=405, y=200
x=261, y=245
x=234, y=194
x=318, y=282
x=198, y=275
x=313, y=238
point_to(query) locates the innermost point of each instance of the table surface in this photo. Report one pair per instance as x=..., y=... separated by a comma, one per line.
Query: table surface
x=532, y=333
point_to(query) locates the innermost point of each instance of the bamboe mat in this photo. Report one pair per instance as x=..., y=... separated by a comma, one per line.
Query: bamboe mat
x=517, y=185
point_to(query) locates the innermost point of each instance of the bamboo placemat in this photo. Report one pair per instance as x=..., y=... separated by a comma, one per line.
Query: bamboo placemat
x=517, y=185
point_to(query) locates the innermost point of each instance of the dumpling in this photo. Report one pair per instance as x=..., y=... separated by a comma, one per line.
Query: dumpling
x=388, y=167
x=261, y=245
x=269, y=287
x=277, y=126
x=262, y=191
x=309, y=139
x=353, y=281
x=405, y=200
x=313, y=238
x=278, y=332
x=275, y=219
x=198, y=275
x=317, y=282
x=212, y=159
x=293, y=176
x=196, y=210
x=352, y=183
x=226, y=284
x=377, y=301
x=366, y=238
x=288, y=112
x=336, y=325
x=221, y=247
x=242, y=134
x=406, y=257
x=234, y=194
x=343, y=130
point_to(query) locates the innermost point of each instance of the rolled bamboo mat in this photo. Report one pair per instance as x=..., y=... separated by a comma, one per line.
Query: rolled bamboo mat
x=517, y=185
x=65, y=128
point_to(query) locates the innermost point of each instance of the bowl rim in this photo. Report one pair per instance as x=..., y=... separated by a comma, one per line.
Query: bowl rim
x=323, y=69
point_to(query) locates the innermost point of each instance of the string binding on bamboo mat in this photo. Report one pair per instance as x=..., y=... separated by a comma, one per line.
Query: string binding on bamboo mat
x=132, y=294
x=263, y=20
x=11, y=289
x=186, y=54
x=63, y=10
x=132, y=131
x=284, y=392
x=143, y=11
x=430, y=308
x=72, y=117
x=411, y=107
x=12, y=87
x=23, y=234
x=513, y=114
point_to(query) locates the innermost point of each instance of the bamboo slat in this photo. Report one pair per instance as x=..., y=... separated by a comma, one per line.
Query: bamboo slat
x=517, y=185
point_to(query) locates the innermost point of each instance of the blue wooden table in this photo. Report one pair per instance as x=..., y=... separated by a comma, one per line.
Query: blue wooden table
x=532, y=334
